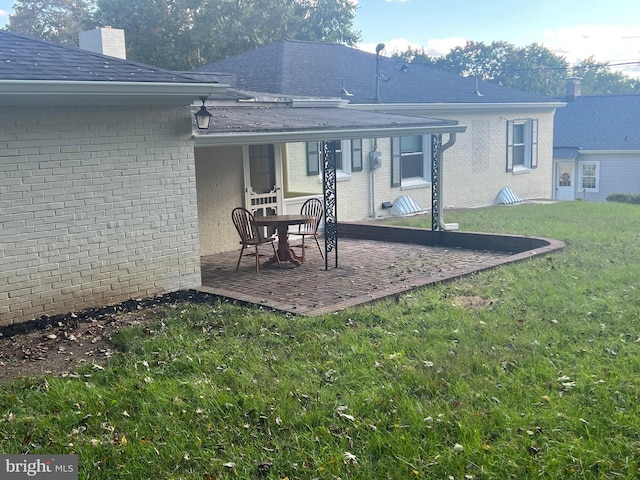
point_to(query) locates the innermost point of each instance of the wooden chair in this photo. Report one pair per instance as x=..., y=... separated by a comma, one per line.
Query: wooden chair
x=315, y=208
x=250, y=236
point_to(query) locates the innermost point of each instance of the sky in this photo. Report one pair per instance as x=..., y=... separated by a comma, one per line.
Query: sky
x=608, y=30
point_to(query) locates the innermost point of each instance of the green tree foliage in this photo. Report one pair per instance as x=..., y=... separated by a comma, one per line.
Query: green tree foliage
x=185, y=34
x=533, y=68
x=598, y=79
x=58, y=21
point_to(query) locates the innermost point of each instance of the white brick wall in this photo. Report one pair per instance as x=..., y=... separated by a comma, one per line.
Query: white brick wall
x=98, y=205
x=220, y=180
x=473, y=170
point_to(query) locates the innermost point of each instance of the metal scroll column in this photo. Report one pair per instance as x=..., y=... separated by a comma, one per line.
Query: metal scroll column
x=330, y=207
x=436, y=145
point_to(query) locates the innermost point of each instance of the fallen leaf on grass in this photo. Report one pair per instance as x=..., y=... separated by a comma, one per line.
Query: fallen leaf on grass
x=350, y=458
x=348, y=417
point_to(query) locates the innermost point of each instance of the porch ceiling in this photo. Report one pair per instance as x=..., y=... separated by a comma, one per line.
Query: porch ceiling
x=260, y=123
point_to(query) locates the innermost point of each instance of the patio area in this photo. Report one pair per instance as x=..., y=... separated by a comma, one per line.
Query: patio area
x=368, y=270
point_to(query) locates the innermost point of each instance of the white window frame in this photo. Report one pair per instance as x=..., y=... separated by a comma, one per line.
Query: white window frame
x=411, y=182
x=581, y=176
x=529, y=144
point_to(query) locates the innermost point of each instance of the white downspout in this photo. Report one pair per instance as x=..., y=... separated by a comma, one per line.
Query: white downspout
x=441, y=224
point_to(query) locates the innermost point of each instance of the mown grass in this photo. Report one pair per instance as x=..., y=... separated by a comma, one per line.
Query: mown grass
x=526, y=371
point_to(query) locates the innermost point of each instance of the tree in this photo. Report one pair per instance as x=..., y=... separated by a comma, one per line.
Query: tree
x=185, y=34
x=415, y=55
x=533, y=68
x=58, y=21
x=475, y=59
x=598, y=79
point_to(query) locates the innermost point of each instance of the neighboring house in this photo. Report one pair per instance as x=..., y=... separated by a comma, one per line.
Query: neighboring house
x=102, y=195
x=508, y=142
x=596, y=145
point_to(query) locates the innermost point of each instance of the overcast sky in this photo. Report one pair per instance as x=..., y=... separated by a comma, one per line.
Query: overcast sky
x=576, y=29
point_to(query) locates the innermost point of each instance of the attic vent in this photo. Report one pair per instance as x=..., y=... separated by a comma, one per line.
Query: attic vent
x=507, y=197
x=405, y=205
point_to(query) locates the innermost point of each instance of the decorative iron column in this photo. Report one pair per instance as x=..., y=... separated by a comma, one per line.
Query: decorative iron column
x=436, y=146
x=330, y=207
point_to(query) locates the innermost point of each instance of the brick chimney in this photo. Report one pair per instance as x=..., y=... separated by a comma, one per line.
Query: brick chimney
x=574, y=88
x=104, y=40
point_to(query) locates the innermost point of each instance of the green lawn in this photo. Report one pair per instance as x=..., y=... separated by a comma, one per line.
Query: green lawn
x=527, y=371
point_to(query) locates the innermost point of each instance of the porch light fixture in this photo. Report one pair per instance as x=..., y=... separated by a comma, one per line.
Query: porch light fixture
x=203, y=117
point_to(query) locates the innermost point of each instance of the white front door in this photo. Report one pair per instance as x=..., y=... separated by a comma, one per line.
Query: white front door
x=263, y=179
x=564, y=188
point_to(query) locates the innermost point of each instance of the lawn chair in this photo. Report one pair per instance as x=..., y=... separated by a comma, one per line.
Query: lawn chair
x=315, y=208
x=250, y=236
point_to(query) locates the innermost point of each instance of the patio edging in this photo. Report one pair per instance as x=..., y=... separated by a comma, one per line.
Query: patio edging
x=516, y=244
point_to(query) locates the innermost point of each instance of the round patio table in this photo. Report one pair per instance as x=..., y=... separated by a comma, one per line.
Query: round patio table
x=281, y=224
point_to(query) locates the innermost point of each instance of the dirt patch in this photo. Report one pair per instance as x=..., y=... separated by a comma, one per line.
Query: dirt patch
x=57, y=345
x=472, y=302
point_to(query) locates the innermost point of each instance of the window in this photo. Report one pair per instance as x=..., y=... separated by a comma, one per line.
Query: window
x=313, y=158
x=335, y=146
x=410, y=160
x=522, y=145
x=518, y=145
x=348, y=155
x=589, y=176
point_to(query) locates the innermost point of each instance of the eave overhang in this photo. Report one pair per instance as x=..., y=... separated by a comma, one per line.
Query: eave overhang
x=260, y=124
x=60, y=92
x=244, y=138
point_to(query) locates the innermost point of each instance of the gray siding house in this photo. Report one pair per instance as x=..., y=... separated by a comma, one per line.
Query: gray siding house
x=596, y=146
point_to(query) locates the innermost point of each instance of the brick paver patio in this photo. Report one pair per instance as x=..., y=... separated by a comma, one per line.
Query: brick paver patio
x=368, y=270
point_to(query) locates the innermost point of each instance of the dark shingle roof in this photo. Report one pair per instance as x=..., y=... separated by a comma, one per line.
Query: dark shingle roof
x=27, y=58
x=607, y=122
x=320, y=69
x=261, y=118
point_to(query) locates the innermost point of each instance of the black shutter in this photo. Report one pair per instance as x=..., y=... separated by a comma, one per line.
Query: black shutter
x=534, y=143
x=356, y=154
x=396, y=164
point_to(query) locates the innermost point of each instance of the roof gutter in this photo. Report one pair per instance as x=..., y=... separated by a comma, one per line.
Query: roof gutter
x=240, y=138
x=454, y=107
x=20, y=92
x=608, y=151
